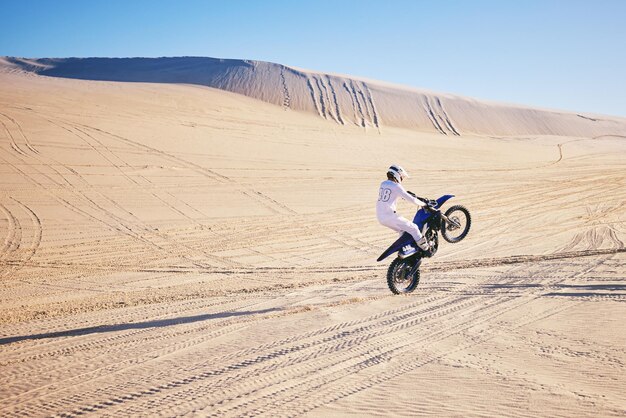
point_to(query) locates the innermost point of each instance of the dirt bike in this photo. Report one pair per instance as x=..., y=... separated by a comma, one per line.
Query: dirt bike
x=403, y=274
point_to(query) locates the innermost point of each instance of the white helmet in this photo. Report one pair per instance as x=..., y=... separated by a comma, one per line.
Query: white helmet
x=398, y=173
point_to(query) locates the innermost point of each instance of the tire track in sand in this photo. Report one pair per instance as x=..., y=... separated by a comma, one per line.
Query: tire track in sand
x=286, y=210
x=334, y=328
x=309, y=396
x=122, y=225
x=340, y=355
x=48, y=346
x=21, y=132
x=119, y=391
x=273, y=397
x=12, y=140
x=14, y=234
x=337, y=341
x=146, y=228
x=145, y=343
x=427, y=267
x=37, y=233
x=315, y=366
x=18, y=250
x=261, y=198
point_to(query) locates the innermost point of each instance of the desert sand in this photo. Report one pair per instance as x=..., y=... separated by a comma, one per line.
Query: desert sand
x=184, y=237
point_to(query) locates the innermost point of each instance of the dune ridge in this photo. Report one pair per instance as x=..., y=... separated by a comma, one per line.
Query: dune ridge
x=340, y=99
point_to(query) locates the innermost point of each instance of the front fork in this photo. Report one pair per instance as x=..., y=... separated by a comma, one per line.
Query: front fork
x=449, y=221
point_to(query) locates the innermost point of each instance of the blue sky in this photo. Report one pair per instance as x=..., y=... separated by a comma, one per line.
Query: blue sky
x=562, y=54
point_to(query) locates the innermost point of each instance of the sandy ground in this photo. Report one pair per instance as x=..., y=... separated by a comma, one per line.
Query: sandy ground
x=182, y=250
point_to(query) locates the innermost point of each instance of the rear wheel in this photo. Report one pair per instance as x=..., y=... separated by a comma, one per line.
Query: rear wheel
x=459, y=225
x=402, y=276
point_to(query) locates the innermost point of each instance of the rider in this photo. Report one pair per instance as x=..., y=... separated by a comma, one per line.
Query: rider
x=389, y=192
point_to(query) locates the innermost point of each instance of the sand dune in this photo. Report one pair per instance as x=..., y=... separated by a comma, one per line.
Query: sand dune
x=341, y=99
x=169, y=248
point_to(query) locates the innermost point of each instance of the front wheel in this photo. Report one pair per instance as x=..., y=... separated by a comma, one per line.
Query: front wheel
x=403, y=275
x=459, y=225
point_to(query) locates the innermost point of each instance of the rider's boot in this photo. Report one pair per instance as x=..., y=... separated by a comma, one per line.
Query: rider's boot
x=423, y=244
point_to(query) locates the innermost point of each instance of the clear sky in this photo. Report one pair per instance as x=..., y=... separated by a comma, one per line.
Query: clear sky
x=562, y=54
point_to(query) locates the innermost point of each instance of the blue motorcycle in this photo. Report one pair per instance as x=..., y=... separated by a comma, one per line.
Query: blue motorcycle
x=403, y=274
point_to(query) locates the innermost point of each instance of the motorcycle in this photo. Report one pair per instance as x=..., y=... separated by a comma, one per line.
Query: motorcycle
x=403, y=274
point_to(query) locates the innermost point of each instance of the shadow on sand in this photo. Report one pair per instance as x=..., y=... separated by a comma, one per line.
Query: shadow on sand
x=133, y=325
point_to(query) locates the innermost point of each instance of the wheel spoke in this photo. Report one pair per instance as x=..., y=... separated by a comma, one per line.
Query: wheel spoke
x=400, y=278
x=457, y=225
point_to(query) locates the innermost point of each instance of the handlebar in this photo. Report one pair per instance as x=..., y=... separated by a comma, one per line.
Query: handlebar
x=429, y=202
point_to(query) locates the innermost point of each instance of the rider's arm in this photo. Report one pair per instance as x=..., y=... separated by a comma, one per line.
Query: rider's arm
x=406, y=196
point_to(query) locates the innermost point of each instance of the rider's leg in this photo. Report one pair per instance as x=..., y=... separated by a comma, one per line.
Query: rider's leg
x=415, y=232
x=402, y=224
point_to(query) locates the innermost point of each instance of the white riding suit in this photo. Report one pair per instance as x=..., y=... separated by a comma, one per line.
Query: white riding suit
x=388, y=194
